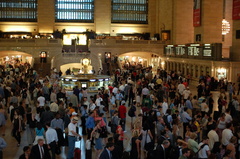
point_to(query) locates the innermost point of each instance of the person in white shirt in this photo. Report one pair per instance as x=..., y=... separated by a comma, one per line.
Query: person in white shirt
x=53, y=96
x=145, y=92
x=181, y=88
x=92, y=106
x=98, y=100
x=72, y=134
x=115, y=90
x=228, y=117
x=52, y=139
x=213, y=136
x=164, y=106
x=54, y=107
x=204, y=107
x=227, y=134
x=186, y=93
x=203, y=148
x=41, y=101
x=86, y=102
x=122, y=87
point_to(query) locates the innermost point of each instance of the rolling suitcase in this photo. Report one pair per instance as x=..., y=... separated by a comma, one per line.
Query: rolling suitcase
x=77, y=151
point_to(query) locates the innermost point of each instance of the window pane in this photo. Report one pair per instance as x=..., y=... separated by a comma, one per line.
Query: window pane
x=130, y=11
x=18, y=10
x=74, y=11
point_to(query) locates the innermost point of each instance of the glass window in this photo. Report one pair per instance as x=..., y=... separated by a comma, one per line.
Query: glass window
x=74, y=11
x=130, y=11
x=18, y=10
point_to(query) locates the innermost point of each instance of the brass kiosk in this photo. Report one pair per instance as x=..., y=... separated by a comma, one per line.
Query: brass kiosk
x=83, y=77
x=89, y=81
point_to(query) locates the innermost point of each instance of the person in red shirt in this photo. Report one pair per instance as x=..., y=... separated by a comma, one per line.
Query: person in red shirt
x=122, y=110
x=110, y=88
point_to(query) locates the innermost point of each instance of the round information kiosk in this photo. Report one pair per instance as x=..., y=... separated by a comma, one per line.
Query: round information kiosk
x=91, y=82
x=83, y=77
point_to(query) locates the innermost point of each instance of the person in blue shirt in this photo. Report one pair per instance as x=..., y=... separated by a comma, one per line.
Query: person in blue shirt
x=84, y=116
x=185, y=119
x=3, y=145
x=90, y=124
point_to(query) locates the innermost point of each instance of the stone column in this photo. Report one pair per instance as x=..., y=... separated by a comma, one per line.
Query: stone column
x=199, y=71
x=167, y=66
x=211, y=22
x=204, y=70
x=185, y=68
x=46, y=16
x=102, y=16
x=194, y=71
x=182, y=67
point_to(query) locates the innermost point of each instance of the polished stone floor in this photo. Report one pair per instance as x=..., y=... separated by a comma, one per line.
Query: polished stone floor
x=13, y=152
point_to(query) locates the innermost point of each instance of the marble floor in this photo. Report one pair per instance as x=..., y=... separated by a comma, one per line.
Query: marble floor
x=13, y=152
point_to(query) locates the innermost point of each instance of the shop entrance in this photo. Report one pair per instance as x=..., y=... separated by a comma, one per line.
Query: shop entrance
x=15, y=58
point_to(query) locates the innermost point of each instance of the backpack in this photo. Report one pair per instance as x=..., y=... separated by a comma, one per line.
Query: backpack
x=174, y=152
x=131, y=111
x=165, y=119
x=24, y=94
x=193, y=127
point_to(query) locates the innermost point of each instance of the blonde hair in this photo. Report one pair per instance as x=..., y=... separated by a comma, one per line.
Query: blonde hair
x=193, y=135
x=135, y=133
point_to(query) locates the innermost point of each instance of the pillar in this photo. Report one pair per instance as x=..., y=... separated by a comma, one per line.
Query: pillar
x=102, y=16
x=204, y=70
x=211, y=22
x=194, y=71
x=181, y=68
x=185, y=68
x=46, y=16
x=199, y=71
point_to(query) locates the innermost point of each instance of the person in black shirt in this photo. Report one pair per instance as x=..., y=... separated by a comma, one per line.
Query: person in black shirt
x=26, y=153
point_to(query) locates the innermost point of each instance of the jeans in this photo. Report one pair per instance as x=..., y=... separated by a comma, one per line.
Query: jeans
x=71, y=146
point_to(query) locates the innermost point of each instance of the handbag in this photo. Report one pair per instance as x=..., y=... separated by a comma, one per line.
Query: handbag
x=96, y=135
x=109, y=123
x=150, y=145
x=58, y=150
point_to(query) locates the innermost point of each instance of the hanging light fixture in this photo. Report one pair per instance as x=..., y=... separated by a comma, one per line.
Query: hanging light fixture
x=225, y=27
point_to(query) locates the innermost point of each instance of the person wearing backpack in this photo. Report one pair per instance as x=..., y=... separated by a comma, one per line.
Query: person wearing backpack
x=168, y=117
x=204, y=150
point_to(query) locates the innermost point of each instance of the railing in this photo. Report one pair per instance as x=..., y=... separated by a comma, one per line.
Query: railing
x=36, y=41
x=74, y=54
x=106, y=42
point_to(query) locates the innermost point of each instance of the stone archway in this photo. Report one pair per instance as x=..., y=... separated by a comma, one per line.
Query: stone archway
x=10, y=56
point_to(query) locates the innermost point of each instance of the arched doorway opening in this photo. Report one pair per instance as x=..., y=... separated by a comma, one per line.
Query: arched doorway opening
x=15, y=58
x=140, y=59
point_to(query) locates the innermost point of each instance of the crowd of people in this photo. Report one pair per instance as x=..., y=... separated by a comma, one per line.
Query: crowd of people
x=167, y=120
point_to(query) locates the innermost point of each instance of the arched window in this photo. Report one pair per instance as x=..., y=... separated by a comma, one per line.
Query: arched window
x=18, y=11
x=130, y=11
x=74, y=11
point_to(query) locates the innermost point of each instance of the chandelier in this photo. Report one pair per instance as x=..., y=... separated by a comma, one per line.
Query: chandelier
x=225, y=27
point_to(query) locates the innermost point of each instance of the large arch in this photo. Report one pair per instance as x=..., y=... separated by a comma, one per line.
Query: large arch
x=147, y=58
x=8, y=55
